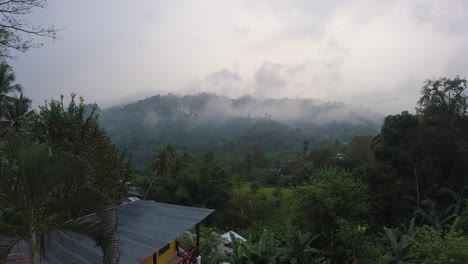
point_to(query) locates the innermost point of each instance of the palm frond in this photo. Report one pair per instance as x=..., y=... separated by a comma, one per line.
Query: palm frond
x=6, y=245
x=102, y=229
x=52, y=187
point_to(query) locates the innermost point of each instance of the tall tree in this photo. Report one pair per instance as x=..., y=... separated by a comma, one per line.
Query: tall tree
x=418, y=154
x=164, y=160
x=75, y=129
x=18, y=115
x=334, y=204
x=443, y=98
x=7, y=88
x=162, y=164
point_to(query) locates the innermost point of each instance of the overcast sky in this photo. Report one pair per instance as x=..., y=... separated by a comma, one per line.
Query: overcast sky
x=374, y=53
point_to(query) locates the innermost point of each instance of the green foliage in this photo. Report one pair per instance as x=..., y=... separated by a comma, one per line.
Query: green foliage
x=350, y=244
x=331, y=195
x=424, y=244
x=436, y=217
x=45, y=193
x=359, y=149
x=336, y=205
x=18, y=116
x=443, y=98
x=324, y=157
x=14, y=110
x=187, y=181
x=436, y=247
x=209, y=241
x=288, y=246
x=398, y=244
x=75, y=130
x=414, y=153
x=7, y=87
x=296, y=246
x=461, y=222
x=254, y=186
x=245, y=209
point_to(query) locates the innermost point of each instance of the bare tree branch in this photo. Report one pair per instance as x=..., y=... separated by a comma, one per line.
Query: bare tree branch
x=16, y=33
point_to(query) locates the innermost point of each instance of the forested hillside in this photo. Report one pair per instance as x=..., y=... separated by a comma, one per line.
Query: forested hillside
x=397, y=197
x=298, y=195
x=197, y=123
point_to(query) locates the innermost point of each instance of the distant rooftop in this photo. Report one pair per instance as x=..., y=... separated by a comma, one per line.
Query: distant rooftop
x=226, y=238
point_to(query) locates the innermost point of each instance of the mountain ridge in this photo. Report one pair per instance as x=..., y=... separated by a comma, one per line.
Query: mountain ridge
x=206, y=121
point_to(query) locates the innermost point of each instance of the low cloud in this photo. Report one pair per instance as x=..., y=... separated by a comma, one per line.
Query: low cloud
x=357, y=52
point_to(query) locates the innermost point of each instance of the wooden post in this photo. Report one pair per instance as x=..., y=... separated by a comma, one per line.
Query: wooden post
x=155, y=258
x=197, y=227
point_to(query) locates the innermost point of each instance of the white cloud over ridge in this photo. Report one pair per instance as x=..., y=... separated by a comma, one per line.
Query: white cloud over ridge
x=372, y=53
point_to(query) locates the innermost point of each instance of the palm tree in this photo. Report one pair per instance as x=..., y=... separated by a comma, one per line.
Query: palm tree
x=48, y=192
x=164, y=160
x=162, y=164
x=7, y=78
x=17, y=114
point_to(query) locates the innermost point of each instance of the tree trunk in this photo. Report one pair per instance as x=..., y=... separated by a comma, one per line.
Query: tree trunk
x=32, y=245
x=151, y=184
x=417, y=182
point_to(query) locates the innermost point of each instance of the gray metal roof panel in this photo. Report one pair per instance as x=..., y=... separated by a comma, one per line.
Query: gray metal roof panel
x=143, y=226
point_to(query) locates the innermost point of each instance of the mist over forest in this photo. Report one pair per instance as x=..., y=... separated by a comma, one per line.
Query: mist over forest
x=208, y=121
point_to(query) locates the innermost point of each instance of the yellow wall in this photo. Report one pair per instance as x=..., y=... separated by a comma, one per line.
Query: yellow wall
x=165, y=257
x=147, y=261
x=169, y=254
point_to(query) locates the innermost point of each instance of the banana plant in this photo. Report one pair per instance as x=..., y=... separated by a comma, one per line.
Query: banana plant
x=398, y=243
x=441, y=217
x=241, y=254
x=297, y=246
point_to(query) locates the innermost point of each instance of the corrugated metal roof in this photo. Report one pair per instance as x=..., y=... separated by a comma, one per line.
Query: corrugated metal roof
x=143, y=226
x=227, y=237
